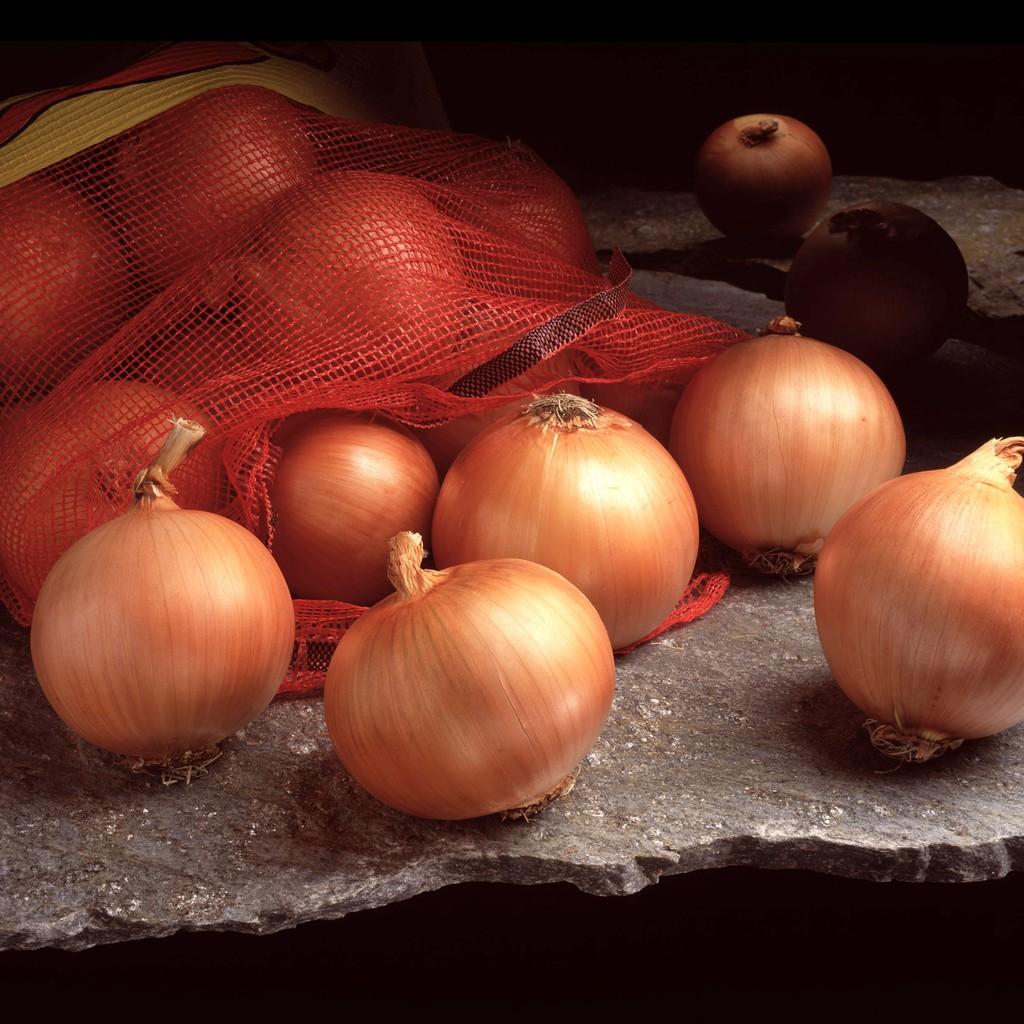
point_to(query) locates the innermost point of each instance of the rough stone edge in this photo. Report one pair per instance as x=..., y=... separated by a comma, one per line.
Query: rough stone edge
x=937, y=862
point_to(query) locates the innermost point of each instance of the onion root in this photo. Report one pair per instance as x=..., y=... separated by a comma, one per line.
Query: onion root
x=192, y=764
x=531, y=810
x=907, y=747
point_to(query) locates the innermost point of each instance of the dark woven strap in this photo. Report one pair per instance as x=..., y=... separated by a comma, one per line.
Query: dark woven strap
x=547, y=339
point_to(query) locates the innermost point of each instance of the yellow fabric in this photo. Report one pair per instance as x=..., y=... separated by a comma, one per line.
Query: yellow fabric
x=79, y=122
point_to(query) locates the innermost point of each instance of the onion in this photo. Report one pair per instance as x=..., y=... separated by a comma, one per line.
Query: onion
x=763, y=174
x=918, y=597
x=163, y=632
x=882, y=280
x=469, y=691
x=586, y=492
x=778, y=436
x=202, y=173
x=63, y=281
x=344, y=485
x=66, y=470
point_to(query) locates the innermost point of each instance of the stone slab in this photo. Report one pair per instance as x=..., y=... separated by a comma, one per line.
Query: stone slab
x=666, y=231
x=728, y=744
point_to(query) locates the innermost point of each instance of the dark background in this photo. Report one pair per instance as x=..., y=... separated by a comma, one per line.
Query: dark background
x=605, y=113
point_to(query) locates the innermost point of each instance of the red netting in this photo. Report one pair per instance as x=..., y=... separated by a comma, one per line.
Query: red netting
x=241, y=258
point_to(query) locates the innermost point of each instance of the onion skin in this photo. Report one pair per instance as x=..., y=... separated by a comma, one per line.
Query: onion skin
x=778, y=436
x=474, y=692
x=917, y=598
x=881, y=280
x=652, y=404
x=604, y=505
x=344, y=485
x=445, y=442
x=752, y=181
x=162, y=632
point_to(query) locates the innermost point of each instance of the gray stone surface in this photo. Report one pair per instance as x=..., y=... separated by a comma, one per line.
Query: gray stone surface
x=728, y=744
x=666, y=231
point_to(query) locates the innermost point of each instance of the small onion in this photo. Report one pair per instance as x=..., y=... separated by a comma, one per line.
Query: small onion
x=881, y=280
x=161, y=633
x=763, y=175
x=344, y=485
x=469, y=691
x=918, y=596
x=584, y=491
x=778, y=436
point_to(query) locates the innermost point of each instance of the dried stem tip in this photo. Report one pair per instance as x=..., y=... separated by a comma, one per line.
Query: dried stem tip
x=564, y=412
x=783, y=325
x=755, y=134
x=154, y=481
x=405, y=557
x=858, y=219
x=996, y=462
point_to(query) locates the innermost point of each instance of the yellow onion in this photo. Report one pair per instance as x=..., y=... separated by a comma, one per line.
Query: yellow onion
x=166, y=630
x=778, y=437
x=469, y=691
x=344, y=485
x=918, y=598
x=584, y=491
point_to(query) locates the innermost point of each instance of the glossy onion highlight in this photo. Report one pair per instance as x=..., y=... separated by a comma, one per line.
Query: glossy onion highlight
x=584, y=491
x=778, y=436
x=918, y=599
x=166, y=630
x=469, y=691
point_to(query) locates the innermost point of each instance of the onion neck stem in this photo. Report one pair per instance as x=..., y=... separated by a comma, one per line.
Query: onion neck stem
x=154, y=482
x=405, y=557
x=784, y=325
x=858, y=220
x=755, y=134
x=996, y=462
x=564, y=412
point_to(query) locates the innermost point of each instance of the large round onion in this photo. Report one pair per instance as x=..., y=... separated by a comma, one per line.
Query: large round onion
x=881, y=280
x=778, y=436
x=164, y=631
x=918, y=598
x=345, y=485
x=205, y=171
x=763, y=174
x=584, y=491
x=469, y=691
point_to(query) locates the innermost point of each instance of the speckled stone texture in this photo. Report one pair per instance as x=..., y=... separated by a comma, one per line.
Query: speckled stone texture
x=728, y=744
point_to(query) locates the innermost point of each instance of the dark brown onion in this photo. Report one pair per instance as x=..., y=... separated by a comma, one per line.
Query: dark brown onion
x=881, y=280
x=763, y=175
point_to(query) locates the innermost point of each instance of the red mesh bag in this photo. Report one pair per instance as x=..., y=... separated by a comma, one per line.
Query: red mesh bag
x=241, y=257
